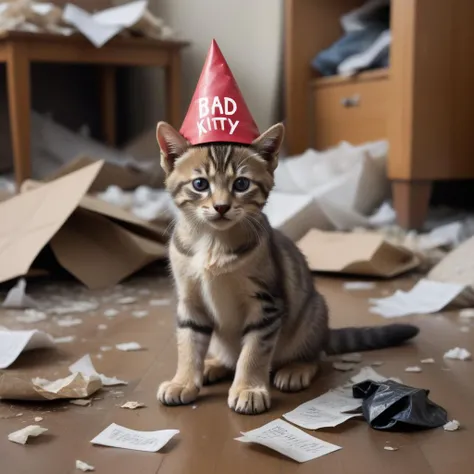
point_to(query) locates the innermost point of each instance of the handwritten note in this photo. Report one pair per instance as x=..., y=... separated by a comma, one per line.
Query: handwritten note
x=325, y=411
x=118, y=436
x=289, y=441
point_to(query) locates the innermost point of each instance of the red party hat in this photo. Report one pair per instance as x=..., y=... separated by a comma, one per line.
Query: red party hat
x=218, y=112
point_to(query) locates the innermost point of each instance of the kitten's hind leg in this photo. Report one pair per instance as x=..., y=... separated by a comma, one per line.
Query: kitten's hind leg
x=215, y=371
x=295, y=376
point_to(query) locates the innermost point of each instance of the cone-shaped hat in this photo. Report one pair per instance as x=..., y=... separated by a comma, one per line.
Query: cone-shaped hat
x=218, y=112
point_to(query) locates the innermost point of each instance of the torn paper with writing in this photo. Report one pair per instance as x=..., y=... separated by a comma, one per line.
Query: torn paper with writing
x=84, y=366
x=17, y=297
x=289, y=441
x=21, y=436
x=13, y=343
x=425, y=297
x=76, y=385
x=118, y=436
x=325, y=411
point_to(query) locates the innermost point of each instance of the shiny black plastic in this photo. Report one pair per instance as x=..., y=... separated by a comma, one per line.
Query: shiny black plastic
x=392, y=406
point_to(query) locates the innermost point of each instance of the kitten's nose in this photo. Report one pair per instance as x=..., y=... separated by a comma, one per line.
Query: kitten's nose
x=221, y=208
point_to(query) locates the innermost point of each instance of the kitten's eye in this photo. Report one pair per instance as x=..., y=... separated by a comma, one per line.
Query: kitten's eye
x=241, y=184
x=200, y=184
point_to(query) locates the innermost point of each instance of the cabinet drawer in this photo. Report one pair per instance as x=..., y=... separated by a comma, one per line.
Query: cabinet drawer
x=355, y=111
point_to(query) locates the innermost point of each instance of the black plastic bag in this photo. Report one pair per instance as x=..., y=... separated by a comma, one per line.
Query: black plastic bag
x=392, y=406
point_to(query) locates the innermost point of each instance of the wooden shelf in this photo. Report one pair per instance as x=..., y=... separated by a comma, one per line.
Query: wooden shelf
x=373, y=75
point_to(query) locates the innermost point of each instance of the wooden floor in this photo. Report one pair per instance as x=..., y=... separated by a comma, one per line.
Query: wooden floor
x=207, y=429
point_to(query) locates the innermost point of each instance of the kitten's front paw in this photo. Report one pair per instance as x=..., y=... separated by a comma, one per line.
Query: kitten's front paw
x=295, y=377
x=174, y=393
x=249, y=400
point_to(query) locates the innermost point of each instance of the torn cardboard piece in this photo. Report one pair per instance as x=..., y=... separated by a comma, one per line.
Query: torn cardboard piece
x=356, y=254
x=85, y=366
x=72, y=387
x=21, y=436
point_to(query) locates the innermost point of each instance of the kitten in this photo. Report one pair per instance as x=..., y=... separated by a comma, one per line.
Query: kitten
x=246, y=297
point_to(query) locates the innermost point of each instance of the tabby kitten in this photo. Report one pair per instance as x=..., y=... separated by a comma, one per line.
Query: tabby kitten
x=246, y=297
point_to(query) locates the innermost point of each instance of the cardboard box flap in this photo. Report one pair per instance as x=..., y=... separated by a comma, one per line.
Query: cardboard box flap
x=355, y=253
x=30, y=220
x=101, y=253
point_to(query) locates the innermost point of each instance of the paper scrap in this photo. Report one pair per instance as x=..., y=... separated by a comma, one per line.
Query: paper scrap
x=453, y=425
x=76, y=385
x=367, y=373
x=429, y=360
x=13, y=343
x=64, y=339
x=84, y=366
x=425, y=297
x=359, y=285
x=327, y=410
x=466, y=313
x=289, y=441
x=376, y=363
x=140, y=314
x=31, y=316
x=83, y=466
x=127, y=300
x=106, y=348
x=390, y=448
x=82, y=402
x=110, y=313
x=343, y=366
x=160, y=302
x=74, y=307
x=414, y=369
x=354, y=357
x=21, y=436
x=129, y=346
x=118, y=436
x=133, y=405
x=38, y=419
x=458, y=353
x=102, y=327
x=17, y=297
x=68, y=322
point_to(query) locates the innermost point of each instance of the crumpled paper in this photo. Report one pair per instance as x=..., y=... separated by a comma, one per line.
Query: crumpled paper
x=392, y=406
x=76, y=385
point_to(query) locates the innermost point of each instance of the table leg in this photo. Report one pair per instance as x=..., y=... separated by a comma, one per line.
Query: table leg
x=173, y=90
x=108, y=99
x=19, y=101
x=411, y=201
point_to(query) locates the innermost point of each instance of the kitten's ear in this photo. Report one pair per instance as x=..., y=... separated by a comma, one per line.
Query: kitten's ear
x=172, y=145
x=268, y=144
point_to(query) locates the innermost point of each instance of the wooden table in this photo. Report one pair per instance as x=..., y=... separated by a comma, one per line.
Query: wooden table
x=18, y=50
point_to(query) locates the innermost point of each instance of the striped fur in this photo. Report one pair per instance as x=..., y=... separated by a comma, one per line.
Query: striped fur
x=246, y=295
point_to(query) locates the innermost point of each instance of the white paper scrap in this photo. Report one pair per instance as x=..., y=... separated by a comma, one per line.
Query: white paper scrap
x=160, y=302
x=127, y=300
x=453, y=425
x=425, y=297
x=83, y=466
x=118, y=436
x=133, y=405
x=38, y=419
x=466, y=313
x=429, y=360
x=354, y=357
x=367, y=373
x=102, y=327
x=31, y=316
x=325, y=411
x=343, y=366
x=111, y=312
x=17, y=297
x=376, y=363
x=390, y=448
x=359, y=285
x=13, y=343
x=129, y=346
x=140, y=313
x=21, y=436
x=74, y=307
x=64, y=339
x=82, y=402
x=414, y=369
x=84, y=366
x=458, y=353
x=289, y=441
x=68, y=322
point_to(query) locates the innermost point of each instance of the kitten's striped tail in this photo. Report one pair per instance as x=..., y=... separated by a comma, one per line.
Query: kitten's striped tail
x=368, y=338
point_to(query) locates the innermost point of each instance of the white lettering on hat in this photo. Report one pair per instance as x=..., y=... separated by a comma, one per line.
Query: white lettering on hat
x=233, y=126
x=207, y=124
x=203, y=107
x=228, y=101
x=216, y=104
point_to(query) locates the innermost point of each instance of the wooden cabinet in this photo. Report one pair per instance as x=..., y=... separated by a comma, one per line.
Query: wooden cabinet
x=423, y=105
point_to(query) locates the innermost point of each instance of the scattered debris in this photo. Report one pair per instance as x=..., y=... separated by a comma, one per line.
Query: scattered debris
x=355, y=357
x=74, y=307
x=133, y=405
x=64, y=339
x=127, y=300
x=140, y=313
x=31, y=316
x=76, y=385
x=118, y=436
x=390, y=448
x=414, y=369
x=367, y=373
x=102, y=327
x=82, y=402
x=110, y=313
x=68, y=322
x=343, y=366
x=160, y=302
x=453, y=425
x=17, y=298
x=466, y=313
x=430, y=360
x=83, y=466
x=21, y=436
x=129, y=346
x=376, y=363
x=359, y=285
x=106, y=348
x=458, y=353
x=84, y=366
x=38, y=419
